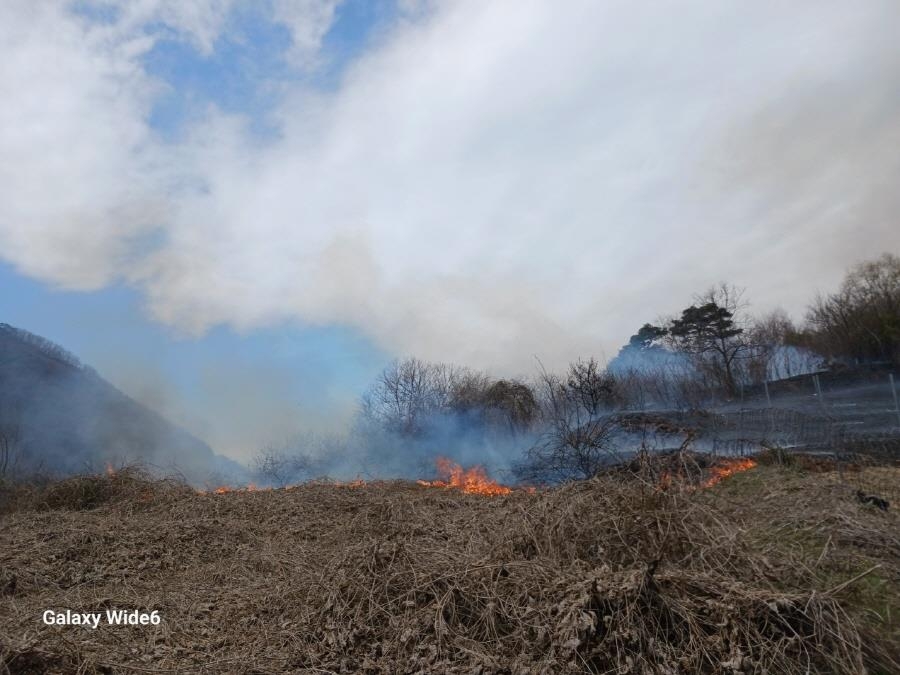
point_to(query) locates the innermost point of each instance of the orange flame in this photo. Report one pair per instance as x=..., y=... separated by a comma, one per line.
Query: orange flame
x=225, y=489
x=451, y=475
x=473, y=480
x=725, y=468
x=728, y=468
x=110, y=471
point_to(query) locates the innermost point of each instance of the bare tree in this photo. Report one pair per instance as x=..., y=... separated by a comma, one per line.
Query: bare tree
x=9, y=447
x=10, y=439
x=779, y=351
x=408, y=394
x=405, y=394
x=862, y=320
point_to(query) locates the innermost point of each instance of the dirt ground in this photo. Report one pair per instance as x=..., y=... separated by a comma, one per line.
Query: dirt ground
x=772, y=570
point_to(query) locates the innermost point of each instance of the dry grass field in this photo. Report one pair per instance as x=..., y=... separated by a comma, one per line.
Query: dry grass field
x=770, y=570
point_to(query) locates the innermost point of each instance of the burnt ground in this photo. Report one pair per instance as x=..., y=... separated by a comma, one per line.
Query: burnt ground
x=776, y=570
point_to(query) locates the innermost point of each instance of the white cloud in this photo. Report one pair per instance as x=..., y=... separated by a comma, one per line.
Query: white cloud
x=198, y=21
x=308, y=21
x=492, y=181
x=78, y=174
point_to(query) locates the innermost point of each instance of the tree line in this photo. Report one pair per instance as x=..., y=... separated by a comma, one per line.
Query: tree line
x=566, y=424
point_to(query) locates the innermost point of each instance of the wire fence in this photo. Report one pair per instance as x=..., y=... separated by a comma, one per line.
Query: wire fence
x=850, y=423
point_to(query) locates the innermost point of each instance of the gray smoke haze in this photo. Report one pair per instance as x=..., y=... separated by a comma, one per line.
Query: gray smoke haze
x=58, y=417
x=236, y=407
x=485, y=182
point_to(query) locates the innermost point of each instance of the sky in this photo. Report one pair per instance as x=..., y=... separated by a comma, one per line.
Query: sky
x=238, y=212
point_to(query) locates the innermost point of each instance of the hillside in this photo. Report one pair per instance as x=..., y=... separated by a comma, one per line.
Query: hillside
x=59, y=417
x=772, y=570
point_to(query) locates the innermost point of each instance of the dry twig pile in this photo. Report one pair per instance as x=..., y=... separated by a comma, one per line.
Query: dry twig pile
x=765, y=572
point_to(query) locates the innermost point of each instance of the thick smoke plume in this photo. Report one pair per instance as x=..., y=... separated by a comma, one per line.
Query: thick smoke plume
x=433, y=197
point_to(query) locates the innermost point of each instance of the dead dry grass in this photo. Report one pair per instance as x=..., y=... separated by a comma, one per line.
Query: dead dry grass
x=774, y=570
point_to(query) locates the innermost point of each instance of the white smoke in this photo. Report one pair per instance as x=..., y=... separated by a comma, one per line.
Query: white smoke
x=488, y=182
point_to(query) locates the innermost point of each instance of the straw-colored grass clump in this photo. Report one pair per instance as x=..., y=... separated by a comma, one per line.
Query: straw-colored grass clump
x=771, y=571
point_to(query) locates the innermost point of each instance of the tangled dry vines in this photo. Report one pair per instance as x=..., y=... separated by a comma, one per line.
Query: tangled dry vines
x=774, y=570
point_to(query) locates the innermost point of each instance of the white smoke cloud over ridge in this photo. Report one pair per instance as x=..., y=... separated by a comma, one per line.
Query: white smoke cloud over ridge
x=486, y=183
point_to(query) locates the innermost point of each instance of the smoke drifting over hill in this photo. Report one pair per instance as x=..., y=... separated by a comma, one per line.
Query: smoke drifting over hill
x=59, y=417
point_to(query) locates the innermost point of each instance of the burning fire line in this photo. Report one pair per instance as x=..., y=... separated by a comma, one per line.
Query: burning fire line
x=451, y=476
x=473, y=480
x=728, y=469
x=724, y=469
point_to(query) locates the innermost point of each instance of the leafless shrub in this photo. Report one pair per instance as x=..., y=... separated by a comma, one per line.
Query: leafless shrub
x=278, y=467
x=578, y=437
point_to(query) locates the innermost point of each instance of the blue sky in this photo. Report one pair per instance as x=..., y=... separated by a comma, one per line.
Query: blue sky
x=236, y=390
x=243, y=72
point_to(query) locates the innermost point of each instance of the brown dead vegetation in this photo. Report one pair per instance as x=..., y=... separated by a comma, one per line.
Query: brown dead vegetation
x=774, y=570
x=130, y=485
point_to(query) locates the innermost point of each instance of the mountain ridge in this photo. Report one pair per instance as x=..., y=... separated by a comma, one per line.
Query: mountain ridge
x=59, y=416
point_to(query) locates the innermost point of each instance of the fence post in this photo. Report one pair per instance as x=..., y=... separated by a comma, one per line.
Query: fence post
x=894, y=392
x=769, y=403
x=819, y=390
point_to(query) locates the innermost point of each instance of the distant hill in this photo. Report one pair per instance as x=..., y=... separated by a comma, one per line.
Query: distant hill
x=58, y=416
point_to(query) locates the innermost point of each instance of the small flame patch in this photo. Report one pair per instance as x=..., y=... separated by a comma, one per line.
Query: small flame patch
x=473, y=480
x=729, y=468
